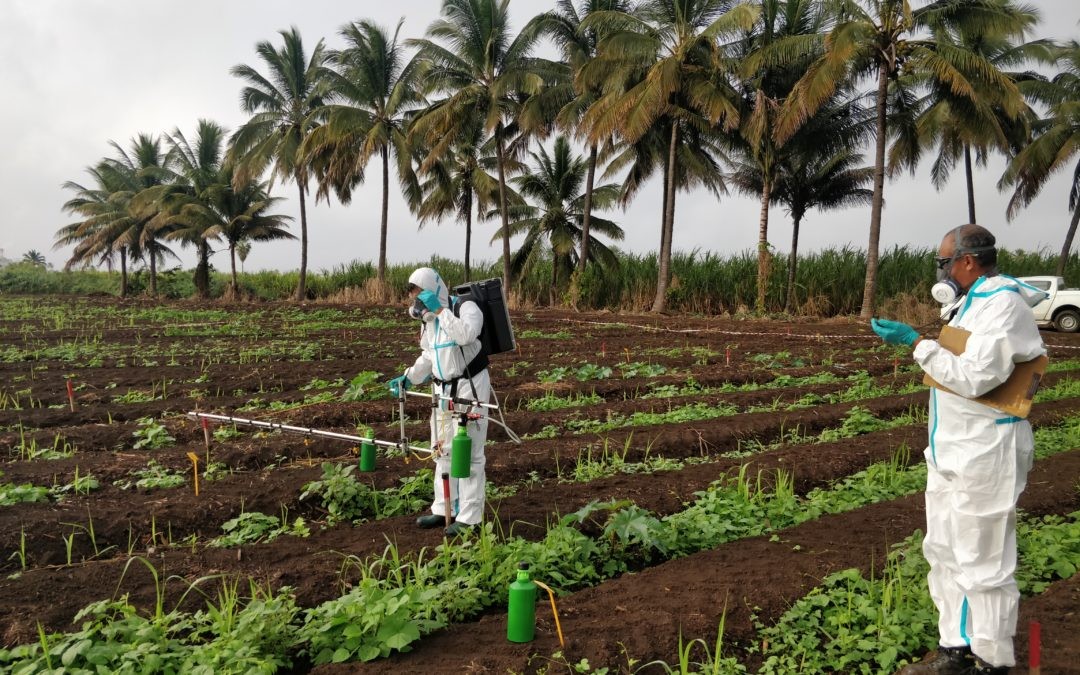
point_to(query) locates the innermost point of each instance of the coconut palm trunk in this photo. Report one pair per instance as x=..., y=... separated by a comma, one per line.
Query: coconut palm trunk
x=384, y=153
x=970, y=184
x=468, y=232
x=793, y=261
x=870, y=285
x=503, y=213
x=763, y=245
x=232, y=262
x=123, y=273
x=660, y=303
x=586, y=215
x=554, y=280
x=663, y=217
x=153, y=272
x=1067, y=248
x=301, y=284
x=202, y=270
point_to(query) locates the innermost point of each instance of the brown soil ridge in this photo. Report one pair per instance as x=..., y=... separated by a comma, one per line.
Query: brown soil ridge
x=641, y=615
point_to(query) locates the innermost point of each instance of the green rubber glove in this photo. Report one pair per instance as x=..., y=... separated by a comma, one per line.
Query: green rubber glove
x=430, y=300
x=398, y=385
x=894, y=332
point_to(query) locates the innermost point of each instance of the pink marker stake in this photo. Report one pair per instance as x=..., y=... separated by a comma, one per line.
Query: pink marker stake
x=71, y=396
x=727, y=356
x=1035, y=648
x=206, y=434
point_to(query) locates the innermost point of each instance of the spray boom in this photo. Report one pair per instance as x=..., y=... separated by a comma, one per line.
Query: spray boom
x=306, y=431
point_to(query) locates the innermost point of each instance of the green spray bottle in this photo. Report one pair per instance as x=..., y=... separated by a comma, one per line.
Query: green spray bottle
x=367, y=453
x=461, y=452
x=521, y=614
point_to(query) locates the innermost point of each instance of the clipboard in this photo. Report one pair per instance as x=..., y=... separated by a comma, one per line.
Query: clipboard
x=1014, y=395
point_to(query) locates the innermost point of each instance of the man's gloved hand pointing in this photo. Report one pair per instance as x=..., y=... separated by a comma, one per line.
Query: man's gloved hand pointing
x=894, y=332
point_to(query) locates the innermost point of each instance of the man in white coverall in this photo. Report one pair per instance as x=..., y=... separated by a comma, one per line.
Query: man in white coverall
x=978, y=457
x=451, y=358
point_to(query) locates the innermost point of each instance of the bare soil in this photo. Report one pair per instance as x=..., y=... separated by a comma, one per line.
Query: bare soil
x=639, y=615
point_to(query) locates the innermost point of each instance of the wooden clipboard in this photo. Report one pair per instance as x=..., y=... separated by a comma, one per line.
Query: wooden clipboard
x=1014, y=395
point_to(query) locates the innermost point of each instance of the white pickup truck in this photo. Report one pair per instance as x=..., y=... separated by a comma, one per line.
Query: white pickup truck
x=1061, y=309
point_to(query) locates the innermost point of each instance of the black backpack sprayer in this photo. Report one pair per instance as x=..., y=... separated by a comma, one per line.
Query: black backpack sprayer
x=496, y=337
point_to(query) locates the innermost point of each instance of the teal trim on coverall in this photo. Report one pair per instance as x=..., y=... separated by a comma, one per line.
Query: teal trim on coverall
x=933, y=404
x=972, y=294
x=963, y=622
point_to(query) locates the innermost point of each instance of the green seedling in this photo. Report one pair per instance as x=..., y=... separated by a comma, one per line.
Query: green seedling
x=21, y=552
x=152, y=435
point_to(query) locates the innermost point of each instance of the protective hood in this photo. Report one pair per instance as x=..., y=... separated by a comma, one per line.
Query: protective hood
x=1031, y=295
x=429, y=280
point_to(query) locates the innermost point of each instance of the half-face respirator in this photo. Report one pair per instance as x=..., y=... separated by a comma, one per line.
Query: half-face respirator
x=946, y=291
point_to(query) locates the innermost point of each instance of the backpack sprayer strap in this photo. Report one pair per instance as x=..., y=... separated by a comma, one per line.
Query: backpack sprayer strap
x=474, y=367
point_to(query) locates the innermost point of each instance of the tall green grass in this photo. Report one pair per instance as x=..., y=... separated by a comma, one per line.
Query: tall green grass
x=828, y=282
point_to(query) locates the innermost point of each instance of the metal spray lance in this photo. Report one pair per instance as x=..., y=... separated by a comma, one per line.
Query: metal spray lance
x=401, y=413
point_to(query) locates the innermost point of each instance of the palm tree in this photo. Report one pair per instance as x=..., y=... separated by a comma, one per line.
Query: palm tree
x=461, y=182
x=484, y=72
x=238, y=215
x=205, y=201
x=376, y=88
x=554, y=184
x=118, y=218
x=1055, y=146
x=243, y=249
x=578, y=45
x=818, y=168
x=98, y=210
x=285, y=106
x=658, y=67
x=34, y=257
x=876, y=37
x=145, y=169
x=970, y=128
x=785, y=41
x=197, y=175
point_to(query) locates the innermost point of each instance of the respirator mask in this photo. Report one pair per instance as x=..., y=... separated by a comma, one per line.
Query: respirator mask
x=946, y=291
x=949, y=294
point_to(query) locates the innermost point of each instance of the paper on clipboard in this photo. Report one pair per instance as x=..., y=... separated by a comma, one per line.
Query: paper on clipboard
x=1014, y=395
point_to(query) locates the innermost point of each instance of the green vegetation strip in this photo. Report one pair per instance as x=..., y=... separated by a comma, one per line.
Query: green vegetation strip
x=863, y=387
x=396, y=600
x=853, y=624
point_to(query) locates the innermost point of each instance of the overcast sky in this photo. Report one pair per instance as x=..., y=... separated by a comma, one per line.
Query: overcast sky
x=78, y=73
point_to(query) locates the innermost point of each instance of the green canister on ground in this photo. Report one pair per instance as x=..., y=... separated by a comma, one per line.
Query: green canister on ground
x=521, y=614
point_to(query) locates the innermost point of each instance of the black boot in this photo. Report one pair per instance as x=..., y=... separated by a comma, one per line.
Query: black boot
x=431, y=520
x=945, y=661
x=980, y=667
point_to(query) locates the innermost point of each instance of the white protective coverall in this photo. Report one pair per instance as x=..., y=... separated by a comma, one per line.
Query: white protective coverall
x=977, y=465
x=448, y=343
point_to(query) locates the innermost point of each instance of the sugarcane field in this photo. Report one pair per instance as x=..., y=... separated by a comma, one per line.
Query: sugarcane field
x=232, y=488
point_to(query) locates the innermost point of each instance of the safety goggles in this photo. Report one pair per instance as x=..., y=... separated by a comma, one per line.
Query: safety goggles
x=944, y=261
